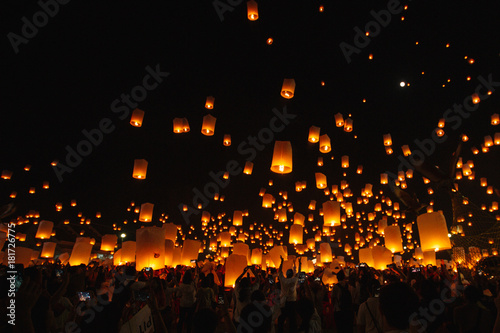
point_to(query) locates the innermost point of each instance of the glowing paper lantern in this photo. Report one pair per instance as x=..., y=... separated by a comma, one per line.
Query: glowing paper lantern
x=296, y=234
x=339, y=120
x=242, y=249
x=108, y=242
x=190, y=251
x=128, y=251
x=81, y=251
x=146, y=213
x=345, y=161
x=298, y=218
x=320, y=180
x=181, y=125
x=288, y=88
x=433, y=232
x=256, y=258
x=237, y=218
x=326, y=252
x=387, y=140
x=170, y=231
x=252, y=10
x=282, y=157
x=348, y=125
x=381, y=257
x=429, y=258
x=235, y=264
x=267, y=200
x=137, y=117
x=382, y=224
x=48, y=250
x=176, y=258
x=248, y=168
x=275, y=254
x=209, y=103
x=150, y=248
x=366, y=256
x=325, y=145
x=225, y=239
x=393, y=242
x=117, y=258
x=205, y=216
x=44, y=229
x=63, y=258
x=140, y=169
x=208, y=127
x=331, y=213
x=313, y=134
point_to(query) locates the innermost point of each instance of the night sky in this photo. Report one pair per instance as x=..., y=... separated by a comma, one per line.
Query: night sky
x=70, y=74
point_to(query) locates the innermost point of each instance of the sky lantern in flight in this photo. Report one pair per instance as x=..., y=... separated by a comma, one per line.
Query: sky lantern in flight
x=267, y=200
x=81, y=251
x=150, y=248
x=248, y=168
x=433, y=232
x=209, y=103
x=393, y=242
x=190, y=250
x=288, y=88
x=282, y=157
x=387, y=140
x=320, y=180
x=170, y=231
x=348, y=125
x=108, y=242
x=137, y=118
x=208, y=127
x=324, y=144
x=146, y=213
x=235, y=264
x=298, y=218
x=345, y=161
x=44, y=229
x=48, y=250
x=256, y=258
x=331, y=213
x=238, y=218
x=6, y=174
x=252, y=10
x=339, y=120
x=296, y=234
x=313, y=134
x=140, y=169
x=181, y=125
x=227, y=140
x=128, y=251
x=326, y=252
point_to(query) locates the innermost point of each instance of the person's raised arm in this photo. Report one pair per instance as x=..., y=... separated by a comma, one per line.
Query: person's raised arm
x=280, y=269
x=241, y=275
x=300, y=265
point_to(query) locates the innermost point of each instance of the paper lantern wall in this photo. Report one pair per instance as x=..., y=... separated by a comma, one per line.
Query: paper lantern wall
x=140, y=169
x=288, y=88
x=108, y=242
x=44, y=229
x=81, y=251
x=150, y=248
x=331, y=213
x=433, y=232
x=282, y=157
x=208, y=127
x=137, y=118
x=48, y=250
x=146, y=214
x=235, y=264
x=170, y=231
x=128, y=251
x=393, y=241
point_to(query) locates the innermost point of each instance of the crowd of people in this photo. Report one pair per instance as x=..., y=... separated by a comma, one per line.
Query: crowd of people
x=54, y=298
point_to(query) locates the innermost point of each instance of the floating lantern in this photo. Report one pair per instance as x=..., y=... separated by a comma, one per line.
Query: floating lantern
x=248, y=168
x=348, y=125
x=256, y=258
x=146, y=214
x=205, y=216
x=282, y=157
x=190, y=251
x=381, y=257
x=339, y=120
x=237, y=218
x=326, y=252
x=117, y=258
x=320, y=180
x=331, y=213
x=140, y=169
x=242, y=249
x=6, y=174
x=150, y=248
x=384, y=178
x=169, y=252
x=48, y=250
x=108, y=242
x=128, y=251
x=252, y=10
x=235, y=264
x=429, y=258
x=393, y=242
x=44, y=229
x=312, y=205
x=324, y=144
x=387, y=140
x=288, y=88
x=209, y=103
x=181, y=125
x=170, y=231
x=225, y=239
x=208, y=127
x=433, y=232
x=345, y=161
x=313, y=134
x=81, y=251
x=137, y=117
x=267, y=200
x=298, y=218
x=296, y=234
